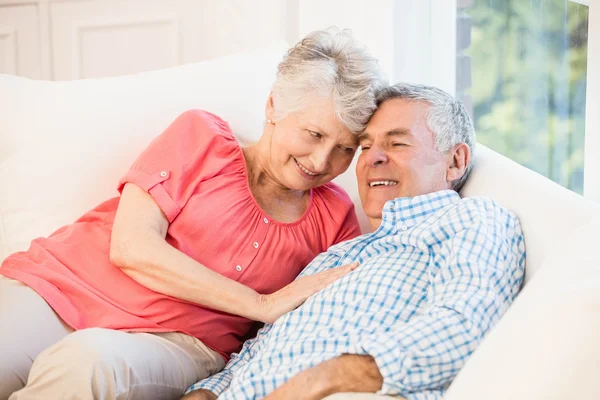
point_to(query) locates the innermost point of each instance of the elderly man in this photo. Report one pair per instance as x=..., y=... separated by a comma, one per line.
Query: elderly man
x=435, y=275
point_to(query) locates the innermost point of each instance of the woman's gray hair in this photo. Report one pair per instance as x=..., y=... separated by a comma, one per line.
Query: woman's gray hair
x=330, y=63
x=447, y=118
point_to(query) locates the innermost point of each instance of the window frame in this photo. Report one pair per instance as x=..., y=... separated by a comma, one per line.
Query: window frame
x=591, y=172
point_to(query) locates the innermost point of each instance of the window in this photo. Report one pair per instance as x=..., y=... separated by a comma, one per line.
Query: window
x=521, y=70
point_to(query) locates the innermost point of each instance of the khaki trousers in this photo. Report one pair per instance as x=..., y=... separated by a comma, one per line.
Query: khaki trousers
x=43, y=358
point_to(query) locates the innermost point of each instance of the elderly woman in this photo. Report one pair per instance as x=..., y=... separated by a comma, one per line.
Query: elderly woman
x=152, y=290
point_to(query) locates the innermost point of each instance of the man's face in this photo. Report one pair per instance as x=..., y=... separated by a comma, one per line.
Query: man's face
x=398, y=157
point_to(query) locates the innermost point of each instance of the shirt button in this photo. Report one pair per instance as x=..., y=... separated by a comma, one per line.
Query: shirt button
x=266, y=220
x=255, y=244
x=163, y=173
x=238, y=268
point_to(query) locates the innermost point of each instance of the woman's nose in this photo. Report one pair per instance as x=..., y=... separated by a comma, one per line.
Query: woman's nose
x=319, y=159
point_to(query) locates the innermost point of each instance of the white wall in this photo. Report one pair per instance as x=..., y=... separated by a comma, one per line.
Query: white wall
x=370, y=21
x=72, y=39
x=414, y=40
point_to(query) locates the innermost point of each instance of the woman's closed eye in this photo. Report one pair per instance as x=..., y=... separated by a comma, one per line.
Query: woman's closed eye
x=316, y=135
x=346, y=149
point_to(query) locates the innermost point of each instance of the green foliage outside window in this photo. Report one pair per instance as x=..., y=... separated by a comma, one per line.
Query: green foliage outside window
x=529, y=81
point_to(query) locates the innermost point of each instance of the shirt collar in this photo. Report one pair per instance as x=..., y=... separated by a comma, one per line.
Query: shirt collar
x=409, y=211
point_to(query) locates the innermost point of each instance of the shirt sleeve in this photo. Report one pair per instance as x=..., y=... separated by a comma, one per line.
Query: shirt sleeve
x=480, y=275
x=193, y=148
x=220, y=382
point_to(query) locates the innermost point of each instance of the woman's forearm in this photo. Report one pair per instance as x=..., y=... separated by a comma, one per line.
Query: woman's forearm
x=138, y=246
x=154, y=263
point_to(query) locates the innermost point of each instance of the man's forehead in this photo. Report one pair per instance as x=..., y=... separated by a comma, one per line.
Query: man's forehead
x=394, y=132
x=397, y=117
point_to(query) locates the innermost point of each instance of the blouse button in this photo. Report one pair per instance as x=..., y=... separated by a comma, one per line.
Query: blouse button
x=238, y=268
x=266, y=220
x=255, y=244
x=163, y=173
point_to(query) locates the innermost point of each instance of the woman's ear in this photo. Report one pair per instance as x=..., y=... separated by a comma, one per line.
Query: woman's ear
x=269, y=109
x=460, y=159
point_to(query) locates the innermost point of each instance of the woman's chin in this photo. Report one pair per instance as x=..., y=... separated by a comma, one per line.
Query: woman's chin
x=299, y=182
x=302, y=187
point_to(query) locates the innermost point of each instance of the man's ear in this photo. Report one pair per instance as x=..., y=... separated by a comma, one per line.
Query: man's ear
x=269, y=108
x=460, y=159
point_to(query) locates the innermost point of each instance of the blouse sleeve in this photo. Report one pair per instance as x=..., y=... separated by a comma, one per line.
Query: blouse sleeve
x=341, y=209
x=195, y=147
x=350, y=228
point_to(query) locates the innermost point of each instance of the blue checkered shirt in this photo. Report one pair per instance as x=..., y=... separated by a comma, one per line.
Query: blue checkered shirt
x=433, y=279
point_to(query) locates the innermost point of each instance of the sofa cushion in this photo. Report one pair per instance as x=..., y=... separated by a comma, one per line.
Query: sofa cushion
x=64, y=145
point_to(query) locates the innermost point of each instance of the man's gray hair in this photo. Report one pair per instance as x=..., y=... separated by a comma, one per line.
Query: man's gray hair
x=447, y=118
x=330, y=63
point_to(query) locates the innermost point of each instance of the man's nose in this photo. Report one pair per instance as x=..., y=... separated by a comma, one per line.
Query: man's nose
x=376, y=156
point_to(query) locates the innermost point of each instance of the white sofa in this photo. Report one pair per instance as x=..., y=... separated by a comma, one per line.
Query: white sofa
x=63, y=147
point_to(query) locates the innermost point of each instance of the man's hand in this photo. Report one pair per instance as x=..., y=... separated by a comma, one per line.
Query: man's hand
x=200, y=394
x=346, y=373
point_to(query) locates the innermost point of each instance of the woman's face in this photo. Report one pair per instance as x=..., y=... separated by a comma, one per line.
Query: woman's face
x=310, y=147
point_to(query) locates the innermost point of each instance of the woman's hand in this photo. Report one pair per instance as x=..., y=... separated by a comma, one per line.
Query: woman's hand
x=294, y=294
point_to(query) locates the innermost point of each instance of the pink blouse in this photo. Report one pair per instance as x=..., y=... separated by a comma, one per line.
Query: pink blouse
x=196, y=173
